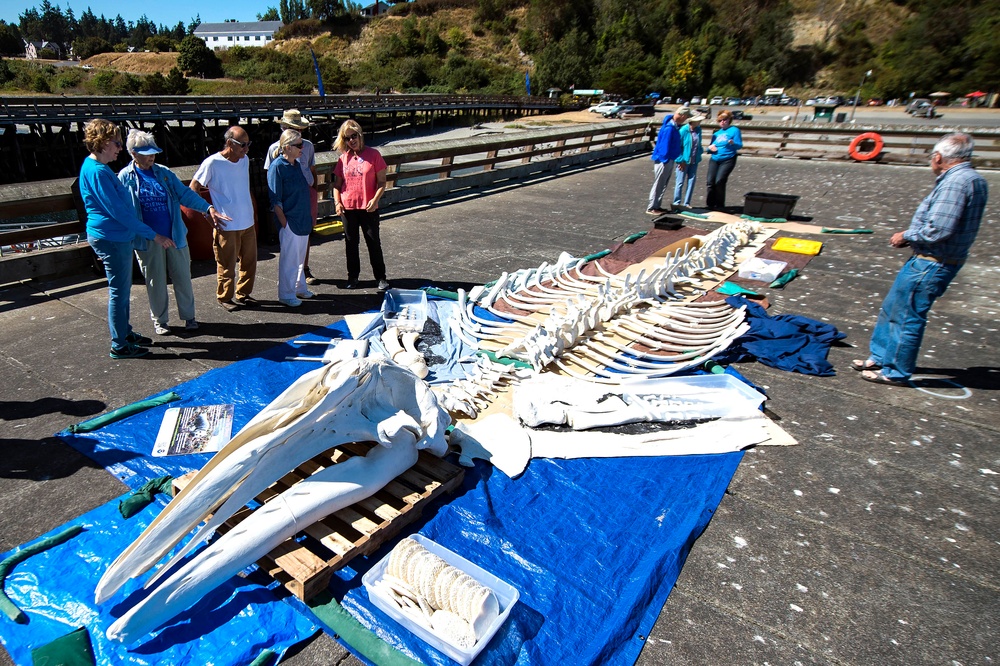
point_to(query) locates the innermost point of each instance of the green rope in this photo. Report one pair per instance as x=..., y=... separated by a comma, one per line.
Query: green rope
x=775, y=220
x=596, y=255
x=123, y=412
x=826, y=230
x=8, y=606
x=441, y=293
x=784, y=279
x=697, y=216
x=504, y=360
x=264, y=658
x=346, y=627
x=634, y=237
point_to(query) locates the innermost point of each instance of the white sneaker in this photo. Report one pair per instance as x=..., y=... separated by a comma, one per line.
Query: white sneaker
x=191, y=325
x=306, y=294
x=161, y=329
x=290, y=302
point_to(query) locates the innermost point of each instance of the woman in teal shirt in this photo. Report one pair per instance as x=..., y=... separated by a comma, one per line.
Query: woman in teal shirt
x=112, y=225
x=726, y=141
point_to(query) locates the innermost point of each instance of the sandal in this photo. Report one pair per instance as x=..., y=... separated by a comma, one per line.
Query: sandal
x=859, y=365
x=879, y=378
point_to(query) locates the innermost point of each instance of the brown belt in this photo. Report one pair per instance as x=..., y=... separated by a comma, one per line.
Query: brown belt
x=939, y=260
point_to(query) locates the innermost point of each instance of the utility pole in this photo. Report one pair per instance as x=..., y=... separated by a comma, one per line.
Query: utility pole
x=858, y=96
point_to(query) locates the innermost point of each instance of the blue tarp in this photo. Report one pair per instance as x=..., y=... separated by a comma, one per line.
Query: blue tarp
x=593, y=545
x=55, y=589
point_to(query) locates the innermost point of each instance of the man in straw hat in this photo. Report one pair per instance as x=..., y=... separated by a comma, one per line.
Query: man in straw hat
x=292, y=119
x=667, y=149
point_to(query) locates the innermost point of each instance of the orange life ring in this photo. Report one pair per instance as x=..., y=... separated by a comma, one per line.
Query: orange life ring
x=870, y=155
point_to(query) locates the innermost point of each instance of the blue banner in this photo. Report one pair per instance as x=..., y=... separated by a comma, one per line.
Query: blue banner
x=319, y=77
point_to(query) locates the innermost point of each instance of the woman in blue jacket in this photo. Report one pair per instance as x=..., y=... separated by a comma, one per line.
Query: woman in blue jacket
x=687, y=163
x=157, y=197
x=725, y=142
x=290, y=203
x=112, y=225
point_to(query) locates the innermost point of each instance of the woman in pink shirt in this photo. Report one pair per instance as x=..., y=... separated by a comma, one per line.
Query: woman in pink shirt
x=359, y=182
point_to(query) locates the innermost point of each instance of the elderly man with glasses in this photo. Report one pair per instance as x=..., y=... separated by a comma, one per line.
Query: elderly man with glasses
x=226, y=176
x=940, y=235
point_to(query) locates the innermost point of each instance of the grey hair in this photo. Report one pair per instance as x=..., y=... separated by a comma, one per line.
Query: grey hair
x=955, y=146
x=138, y=139
x=230, y=134
x=288, y=137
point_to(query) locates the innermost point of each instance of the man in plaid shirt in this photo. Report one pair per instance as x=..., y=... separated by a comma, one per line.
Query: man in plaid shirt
x=941, y=233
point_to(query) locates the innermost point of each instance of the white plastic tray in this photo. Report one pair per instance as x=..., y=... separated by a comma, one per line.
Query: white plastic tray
x=711, y=396
x=507, y=595
x=764, y=270
x=405, y=309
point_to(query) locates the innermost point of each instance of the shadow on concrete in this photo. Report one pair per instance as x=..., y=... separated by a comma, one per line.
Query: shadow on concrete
x=15, y=410
x=49, y=458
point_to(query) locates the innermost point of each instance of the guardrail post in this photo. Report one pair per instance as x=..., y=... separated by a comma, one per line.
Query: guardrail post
x=446, y=162
x=490, y=155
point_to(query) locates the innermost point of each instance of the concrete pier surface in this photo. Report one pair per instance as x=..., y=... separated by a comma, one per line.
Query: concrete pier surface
x=873, y=541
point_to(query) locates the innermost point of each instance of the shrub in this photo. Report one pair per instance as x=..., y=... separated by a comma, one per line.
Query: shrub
x=304, y=28
x=40, y=83
x=68, y=78
x=47, y=54
x=154, y=84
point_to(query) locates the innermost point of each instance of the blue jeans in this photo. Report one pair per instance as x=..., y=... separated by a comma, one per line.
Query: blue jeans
x=689, y=174
x=718, y=176
x=117, y=260
x=901, y=320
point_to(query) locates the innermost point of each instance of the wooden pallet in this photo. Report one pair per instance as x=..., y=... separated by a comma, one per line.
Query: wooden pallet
x=305, y=563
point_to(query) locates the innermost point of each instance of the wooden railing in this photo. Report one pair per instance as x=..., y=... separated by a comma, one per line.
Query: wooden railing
x=416, y=170
x=27, y=110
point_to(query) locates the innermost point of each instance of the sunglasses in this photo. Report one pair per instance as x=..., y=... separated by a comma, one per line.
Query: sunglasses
x=117, y=143
x=296, y=145
x=351, y=137
x=241, y=144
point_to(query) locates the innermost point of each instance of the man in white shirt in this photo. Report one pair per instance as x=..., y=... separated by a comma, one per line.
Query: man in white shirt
x=226, y=175
x=292, y=119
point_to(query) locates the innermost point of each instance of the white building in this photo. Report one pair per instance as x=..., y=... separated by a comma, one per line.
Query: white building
x=220, y=36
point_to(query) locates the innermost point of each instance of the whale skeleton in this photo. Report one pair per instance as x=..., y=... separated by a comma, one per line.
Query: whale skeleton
x=368, y=399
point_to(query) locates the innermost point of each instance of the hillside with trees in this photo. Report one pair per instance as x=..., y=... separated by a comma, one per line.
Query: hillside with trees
x=625, y=47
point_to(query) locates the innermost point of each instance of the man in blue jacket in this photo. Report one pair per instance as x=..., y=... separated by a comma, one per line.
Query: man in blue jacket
x=667, y=149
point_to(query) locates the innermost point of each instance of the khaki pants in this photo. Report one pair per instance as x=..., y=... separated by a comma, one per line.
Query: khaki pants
x=231, y=247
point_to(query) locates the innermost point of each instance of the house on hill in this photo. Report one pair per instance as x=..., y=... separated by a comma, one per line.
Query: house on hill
x=221, y=36
x=32, y=49
x=375, y=9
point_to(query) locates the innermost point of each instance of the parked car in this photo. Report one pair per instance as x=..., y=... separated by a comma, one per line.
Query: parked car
x=811, y=101
x=717, y=100
x=733, y=101
x=696, y=100
x=915, y=103
x=633, y=110
x=602, y=107
x=738, y=114
x=925, y=110
x=874, y=102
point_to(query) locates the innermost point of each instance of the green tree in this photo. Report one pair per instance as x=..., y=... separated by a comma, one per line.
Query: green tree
x=91, y=46
x=195, y=57
x=159, y=44
x=270, y=14
x=176, y=84
x=154, y=84
x=11, y=43
x=566, y=62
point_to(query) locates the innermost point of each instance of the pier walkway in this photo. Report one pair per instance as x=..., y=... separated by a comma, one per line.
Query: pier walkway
x=874, y=541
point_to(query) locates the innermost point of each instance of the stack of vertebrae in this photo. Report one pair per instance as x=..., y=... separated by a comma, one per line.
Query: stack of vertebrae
x=438, y=595
x=575, y=305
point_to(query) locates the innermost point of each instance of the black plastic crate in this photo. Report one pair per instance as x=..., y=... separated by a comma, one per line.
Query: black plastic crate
x=765, y=204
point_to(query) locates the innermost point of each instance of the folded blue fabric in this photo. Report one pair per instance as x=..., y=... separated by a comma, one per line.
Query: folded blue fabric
x=787, y=342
